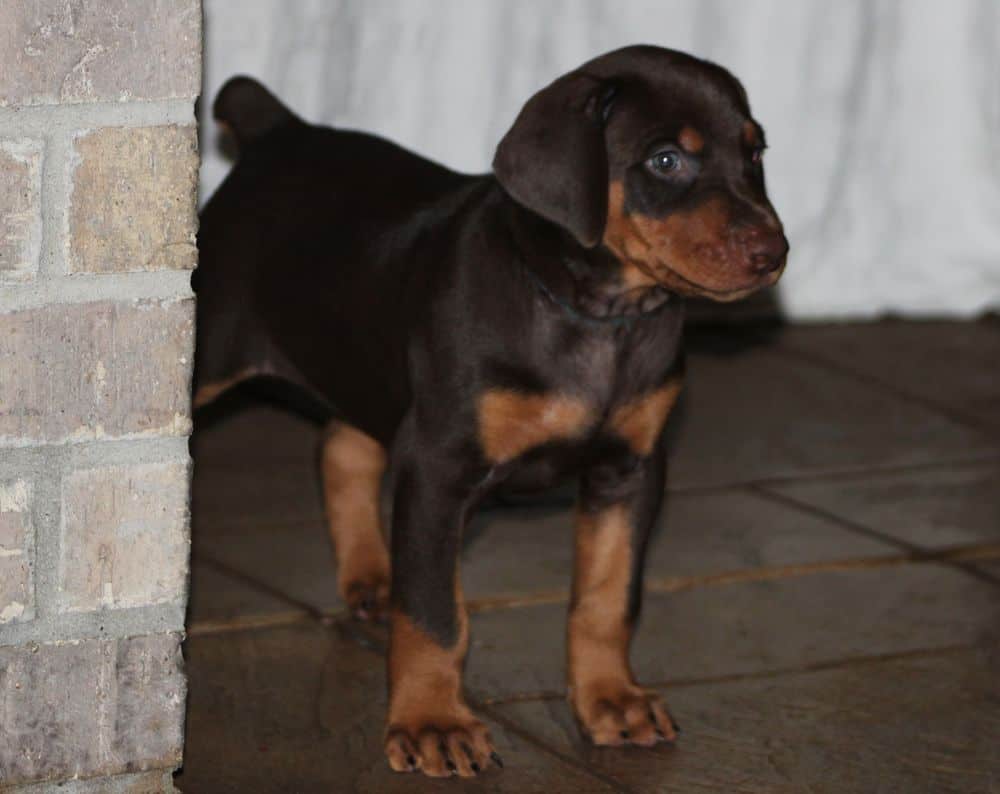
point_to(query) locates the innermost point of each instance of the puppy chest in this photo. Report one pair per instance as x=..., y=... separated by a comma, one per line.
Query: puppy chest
x=511, y=423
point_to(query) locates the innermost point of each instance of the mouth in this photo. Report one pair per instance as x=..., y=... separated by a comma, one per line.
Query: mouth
x=694, y=289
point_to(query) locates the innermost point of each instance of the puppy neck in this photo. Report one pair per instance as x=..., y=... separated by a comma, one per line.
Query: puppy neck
x=584, y=283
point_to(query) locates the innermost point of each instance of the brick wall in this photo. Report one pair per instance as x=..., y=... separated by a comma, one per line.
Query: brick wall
x=98, y=168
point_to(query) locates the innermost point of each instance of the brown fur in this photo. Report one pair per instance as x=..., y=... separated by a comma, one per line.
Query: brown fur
x=511, y=423
x=352, y=466
x=688, y=252
x=609, y=704
x=426, y=709
x=640, y=421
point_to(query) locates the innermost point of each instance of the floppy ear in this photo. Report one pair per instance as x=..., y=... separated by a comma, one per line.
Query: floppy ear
x=554, y=161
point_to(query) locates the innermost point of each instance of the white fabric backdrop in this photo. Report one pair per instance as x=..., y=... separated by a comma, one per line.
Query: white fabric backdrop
x=883, y=116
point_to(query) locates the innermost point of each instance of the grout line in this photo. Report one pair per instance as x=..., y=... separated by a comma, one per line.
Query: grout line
x=201, y=628
x=774, y=672
x=163, y=286
x=39, y=120
x=951, y=556
x=827, y=515
x=832, y=365
x=311, y=611
x=540, y=744
x=839, y=474
x=677, y=584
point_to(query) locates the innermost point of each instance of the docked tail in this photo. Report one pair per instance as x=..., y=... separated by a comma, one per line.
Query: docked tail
x=249, y=110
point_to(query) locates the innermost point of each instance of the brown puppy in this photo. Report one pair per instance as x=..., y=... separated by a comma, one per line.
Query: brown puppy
x=475, y=332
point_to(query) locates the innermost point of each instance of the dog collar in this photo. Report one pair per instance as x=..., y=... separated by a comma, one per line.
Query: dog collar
x=612, y=320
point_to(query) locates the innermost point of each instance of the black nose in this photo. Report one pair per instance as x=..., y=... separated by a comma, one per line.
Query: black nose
x=767, y=253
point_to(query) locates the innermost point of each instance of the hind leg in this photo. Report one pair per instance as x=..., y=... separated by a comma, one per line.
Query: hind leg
x=352, y=465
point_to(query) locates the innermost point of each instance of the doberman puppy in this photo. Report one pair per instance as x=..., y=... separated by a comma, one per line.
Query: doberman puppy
x=472, y=332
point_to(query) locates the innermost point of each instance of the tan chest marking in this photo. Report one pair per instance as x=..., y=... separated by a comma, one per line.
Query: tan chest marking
x=640, y=421
x=511, y=423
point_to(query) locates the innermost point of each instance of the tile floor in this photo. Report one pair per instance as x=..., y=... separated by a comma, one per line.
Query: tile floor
x=824, y=589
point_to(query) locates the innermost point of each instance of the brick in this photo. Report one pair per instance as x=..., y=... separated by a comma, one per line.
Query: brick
x=97, y=370
x=20, y=208
x=17, y=599
x=133, y=202
x=124, y=536
x=54, y=51
x=90, y=707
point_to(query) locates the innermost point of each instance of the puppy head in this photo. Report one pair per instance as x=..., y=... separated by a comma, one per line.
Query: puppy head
x=654, y=155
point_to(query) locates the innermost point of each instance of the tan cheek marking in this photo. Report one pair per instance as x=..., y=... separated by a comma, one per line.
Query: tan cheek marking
x=685, y=251
x=749, y=133
x=641, y=421
x=691, y=140
x=511, y=423
x=632, y=250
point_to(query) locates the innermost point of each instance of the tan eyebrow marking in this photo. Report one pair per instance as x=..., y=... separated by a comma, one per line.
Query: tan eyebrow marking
x=691, y=140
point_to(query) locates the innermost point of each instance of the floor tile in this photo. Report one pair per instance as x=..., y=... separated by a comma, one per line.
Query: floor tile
x=218, y=599
x=952, y=363
x=523, y=550
x=293, y=558
x=301, y=709
x=926, y=724
x=512, y=552
x=933, y=508
x=249, y=429
x=749, y=627
x=749, y=414
x=268, y=492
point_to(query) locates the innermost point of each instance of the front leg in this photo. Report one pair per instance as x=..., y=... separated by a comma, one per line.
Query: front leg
x=619, y=503
x=429, y=725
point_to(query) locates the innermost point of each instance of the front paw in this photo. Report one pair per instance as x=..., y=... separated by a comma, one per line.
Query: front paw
x=368, y=597
x=440, y=745
x=615, y=714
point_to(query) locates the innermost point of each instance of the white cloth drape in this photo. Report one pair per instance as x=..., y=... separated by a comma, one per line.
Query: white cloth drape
x=883, y=116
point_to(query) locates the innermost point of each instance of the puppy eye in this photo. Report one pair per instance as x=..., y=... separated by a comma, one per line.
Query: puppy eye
x=664, y=162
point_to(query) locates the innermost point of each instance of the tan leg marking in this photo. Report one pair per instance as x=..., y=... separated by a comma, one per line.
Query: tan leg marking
x=640, y=422
x=429, y=726
x=352, y=465
x=511, y=423
x=611, y=707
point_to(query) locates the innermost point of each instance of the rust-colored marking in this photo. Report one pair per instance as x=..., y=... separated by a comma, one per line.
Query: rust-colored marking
x=429, y=721
x=640, y=421
x=602, y=689
x=750, y=133
x=511, y=423
x=352, y=465
x=690, y=252
x=691, y=140
x=424, y=678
